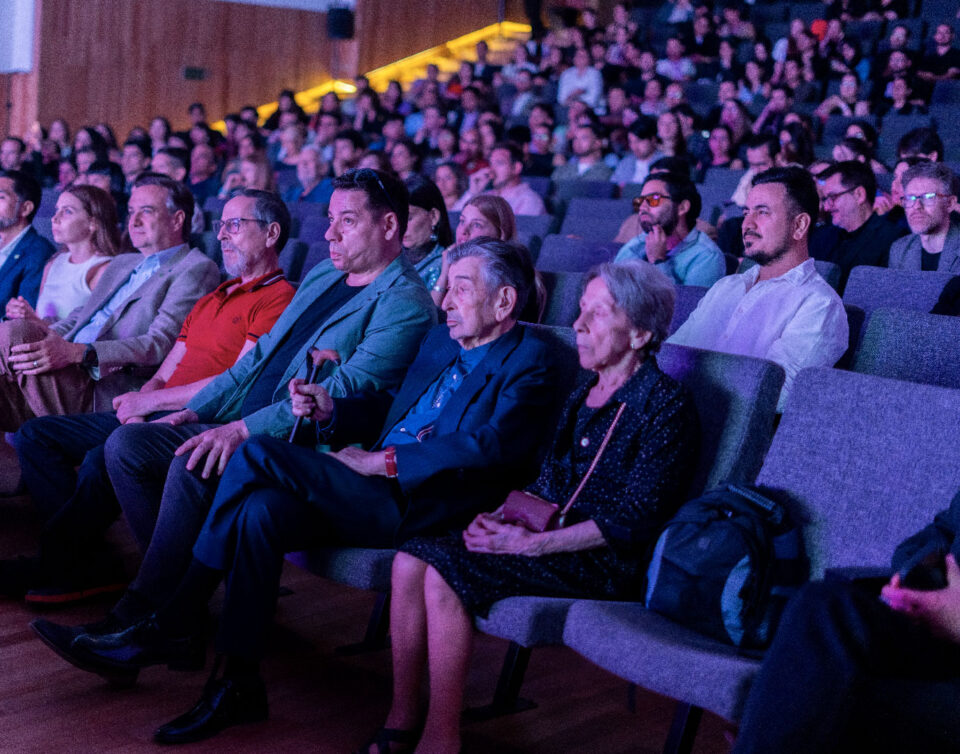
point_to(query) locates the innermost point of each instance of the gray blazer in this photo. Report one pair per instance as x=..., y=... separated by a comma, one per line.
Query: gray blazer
x=905, y=252
x=143, y=329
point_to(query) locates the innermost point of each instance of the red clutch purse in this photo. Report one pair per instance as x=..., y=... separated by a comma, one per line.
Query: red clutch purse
x=538, y=515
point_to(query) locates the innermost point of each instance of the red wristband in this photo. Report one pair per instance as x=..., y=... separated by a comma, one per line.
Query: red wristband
x=390, y=461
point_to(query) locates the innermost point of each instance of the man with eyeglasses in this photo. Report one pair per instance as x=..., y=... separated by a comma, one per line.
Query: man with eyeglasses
x=668, y=211
x=781, y=309
x=62, y=458
x=366, y=304
x=929, y=200
x=848, y=190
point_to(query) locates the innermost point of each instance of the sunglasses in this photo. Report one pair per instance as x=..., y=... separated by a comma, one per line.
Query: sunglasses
x=652, y=199
x=367, y=174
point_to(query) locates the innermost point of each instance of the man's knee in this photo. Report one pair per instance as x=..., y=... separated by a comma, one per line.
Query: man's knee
x=130, y=448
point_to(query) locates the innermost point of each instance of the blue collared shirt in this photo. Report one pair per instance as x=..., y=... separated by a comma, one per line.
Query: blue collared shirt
x=138, y=276
x=696, y=260
x=420, y=418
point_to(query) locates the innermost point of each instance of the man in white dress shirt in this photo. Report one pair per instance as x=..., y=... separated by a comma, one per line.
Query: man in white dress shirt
x=781, y=310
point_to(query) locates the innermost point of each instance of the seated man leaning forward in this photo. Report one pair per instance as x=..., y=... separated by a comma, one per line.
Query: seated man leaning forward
x=837, y=642
x=61, y=457
x=366, y=303
x=466, y=425
x=781, y=310
x=668, y=210
x=130, y=321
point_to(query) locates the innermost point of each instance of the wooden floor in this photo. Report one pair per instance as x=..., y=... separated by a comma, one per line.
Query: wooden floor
x=319, y=701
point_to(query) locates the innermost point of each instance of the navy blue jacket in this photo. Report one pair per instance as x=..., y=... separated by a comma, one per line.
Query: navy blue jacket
x=487, y=439
x=22, y=272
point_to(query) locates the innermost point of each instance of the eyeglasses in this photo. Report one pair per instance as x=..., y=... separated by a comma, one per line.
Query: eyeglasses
x=366, y=174
x=928, y=199
x=233, y=224
x=652, y=199
x=830, y=198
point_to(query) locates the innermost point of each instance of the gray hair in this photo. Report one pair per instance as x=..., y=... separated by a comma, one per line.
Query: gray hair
x=644, y=293
x=270, y=208
x=936, y=171
x=504, y=263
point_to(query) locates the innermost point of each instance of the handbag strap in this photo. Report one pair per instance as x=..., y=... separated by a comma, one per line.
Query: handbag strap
x=596, y=460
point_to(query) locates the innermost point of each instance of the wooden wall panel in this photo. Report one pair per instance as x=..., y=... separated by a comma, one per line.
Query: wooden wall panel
x=388, y=31
x=122, y=60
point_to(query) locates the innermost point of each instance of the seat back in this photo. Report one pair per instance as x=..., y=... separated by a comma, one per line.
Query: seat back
x=736, y=398
x=563, y=297
x=316, y=253
x=538, y=225
x=875, y=287
x=565, y=190
x=865, y=460
x=595, y=219
x=688, y=296
x=292, y=258
x=313, y=228
x=912, y=346
x=563, y=254
x=829, y=272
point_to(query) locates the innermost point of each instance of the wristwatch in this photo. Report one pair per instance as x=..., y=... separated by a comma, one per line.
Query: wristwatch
x=90, y=360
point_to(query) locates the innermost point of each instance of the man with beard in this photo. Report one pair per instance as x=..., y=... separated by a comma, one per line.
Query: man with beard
x=781, y=309
x=23, y=251
x=668, y=209
x=929, y=198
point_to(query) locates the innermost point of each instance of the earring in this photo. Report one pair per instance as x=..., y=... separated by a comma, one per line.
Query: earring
x=433, y=235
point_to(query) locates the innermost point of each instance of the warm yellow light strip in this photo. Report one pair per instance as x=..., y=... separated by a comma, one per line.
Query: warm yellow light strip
x=403, y=70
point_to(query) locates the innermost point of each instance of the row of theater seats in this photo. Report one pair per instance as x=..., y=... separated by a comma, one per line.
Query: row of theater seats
x=865, y=460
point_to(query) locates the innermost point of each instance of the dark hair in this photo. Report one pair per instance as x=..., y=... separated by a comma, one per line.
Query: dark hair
x=425, y=194
x=27, y=189
x=858, y=146
x=800, y=148
x=354, y=137
x=179, y=155
x=675, y=165
x=516, y=153
x=771, y=142
x=111, y=169
x=644, y=127
x=924, y=140
x=412, y=150
x=385, y=192
x=800, y=188
x=868, y=131
x=270, y=208
x=680, y=187
x=103, y=209
x=504, y=263
x=853, y=174
x=179, y=198
x=143, y=145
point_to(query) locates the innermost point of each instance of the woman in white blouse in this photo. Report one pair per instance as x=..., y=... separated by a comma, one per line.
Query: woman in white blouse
x=85, y=226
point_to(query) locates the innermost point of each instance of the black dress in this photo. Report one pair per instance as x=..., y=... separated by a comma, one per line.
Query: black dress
x=637, y=485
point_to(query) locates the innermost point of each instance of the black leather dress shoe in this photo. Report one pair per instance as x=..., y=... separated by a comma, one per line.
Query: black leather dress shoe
x=225, y=702
x=61, y=640
x=141, y=645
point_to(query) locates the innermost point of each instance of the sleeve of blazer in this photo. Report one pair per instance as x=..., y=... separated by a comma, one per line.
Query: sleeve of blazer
x=194, y=276
x=522, y=397
x=390, y=340
x=33, y=261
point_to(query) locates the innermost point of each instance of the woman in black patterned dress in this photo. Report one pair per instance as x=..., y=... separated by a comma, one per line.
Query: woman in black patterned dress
x=601, y=552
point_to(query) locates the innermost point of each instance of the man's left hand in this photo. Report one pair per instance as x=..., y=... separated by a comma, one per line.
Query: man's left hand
x=938, y=609
x=366, y=463
x=47, y=355
x=216, y=444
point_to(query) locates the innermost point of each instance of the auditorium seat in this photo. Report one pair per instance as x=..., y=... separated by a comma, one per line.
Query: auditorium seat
x=875, y=287
x=595, y=219
x=563, y=297
x=564, y=254
x=688, y=296
x=865, y=461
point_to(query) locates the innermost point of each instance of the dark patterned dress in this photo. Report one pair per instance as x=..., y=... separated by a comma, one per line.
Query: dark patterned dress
x=638, y=484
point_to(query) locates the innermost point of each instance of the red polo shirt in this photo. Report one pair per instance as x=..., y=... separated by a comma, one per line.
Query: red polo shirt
x=222, y=321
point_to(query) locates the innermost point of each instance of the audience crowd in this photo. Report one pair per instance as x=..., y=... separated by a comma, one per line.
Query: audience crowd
x=219, y=406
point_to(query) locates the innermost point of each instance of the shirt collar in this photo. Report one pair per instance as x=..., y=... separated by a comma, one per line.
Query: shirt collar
x=260, y=282
x=795, y=275
x=16, y=239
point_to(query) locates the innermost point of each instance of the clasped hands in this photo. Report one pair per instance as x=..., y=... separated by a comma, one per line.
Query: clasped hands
x=46, y=355
x=938, y=610
x=488, y=533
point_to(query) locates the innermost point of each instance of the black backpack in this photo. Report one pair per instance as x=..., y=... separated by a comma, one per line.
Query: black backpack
x=725, y=564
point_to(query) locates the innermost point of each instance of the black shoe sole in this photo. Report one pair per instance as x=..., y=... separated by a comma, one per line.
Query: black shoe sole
x=117, y=677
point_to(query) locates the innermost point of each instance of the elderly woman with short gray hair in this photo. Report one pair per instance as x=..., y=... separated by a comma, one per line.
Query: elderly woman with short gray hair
x=624, y=450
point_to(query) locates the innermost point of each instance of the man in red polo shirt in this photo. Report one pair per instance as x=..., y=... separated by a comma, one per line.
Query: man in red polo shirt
x=78, y=504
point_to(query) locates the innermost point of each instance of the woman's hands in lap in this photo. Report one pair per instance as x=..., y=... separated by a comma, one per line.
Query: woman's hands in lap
x=487, y=533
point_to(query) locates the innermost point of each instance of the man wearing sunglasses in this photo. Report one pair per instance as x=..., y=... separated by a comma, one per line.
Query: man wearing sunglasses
x=929, y=201
x=668, y=211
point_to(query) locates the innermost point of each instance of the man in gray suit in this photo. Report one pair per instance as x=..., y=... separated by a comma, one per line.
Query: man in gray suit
x=929, y=200
x=111, y=344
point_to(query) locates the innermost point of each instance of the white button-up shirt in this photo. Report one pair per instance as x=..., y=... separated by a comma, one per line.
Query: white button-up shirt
x=796, y=320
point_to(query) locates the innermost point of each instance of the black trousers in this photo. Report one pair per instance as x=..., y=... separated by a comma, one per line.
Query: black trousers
x=275, y=498
x=835, y=644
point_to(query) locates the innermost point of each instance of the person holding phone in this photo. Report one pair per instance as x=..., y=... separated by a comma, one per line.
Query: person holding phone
x=836, y=639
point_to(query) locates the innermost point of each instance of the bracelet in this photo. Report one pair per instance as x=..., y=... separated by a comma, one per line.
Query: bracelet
x=390, y=461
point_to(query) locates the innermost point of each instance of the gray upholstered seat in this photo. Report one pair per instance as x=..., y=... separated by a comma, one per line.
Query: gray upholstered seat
x=564, y=254
x=595, y=219
x=878, y=287
x=912, y=346
x=688, y=296
x=865, y=461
